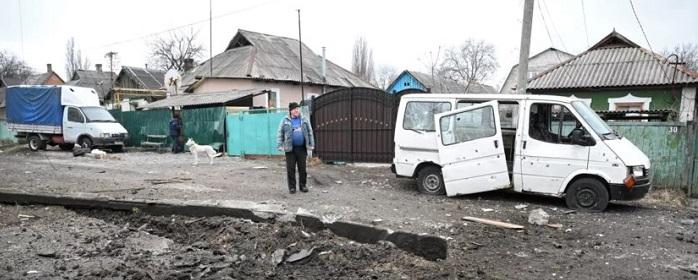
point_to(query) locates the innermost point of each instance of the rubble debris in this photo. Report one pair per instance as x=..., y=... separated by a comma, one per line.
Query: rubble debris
x=538, y=217
x=688, y=222
x=555, y=226
x=260, y=167
x=376, y=221
x=520, y=206
x=300, y=255
x=278, y=256
x=47, y=254
x=487, y=209
x=493, y=223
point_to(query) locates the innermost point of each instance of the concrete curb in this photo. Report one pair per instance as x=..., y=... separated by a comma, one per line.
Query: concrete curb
x=427, y=246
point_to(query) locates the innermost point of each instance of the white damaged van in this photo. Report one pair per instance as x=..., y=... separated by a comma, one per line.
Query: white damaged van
x=468, y=143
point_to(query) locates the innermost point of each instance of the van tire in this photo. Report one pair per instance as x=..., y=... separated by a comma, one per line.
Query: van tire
x=85, y=142
x=430, y=181
x=587, y=195
x=35, y=143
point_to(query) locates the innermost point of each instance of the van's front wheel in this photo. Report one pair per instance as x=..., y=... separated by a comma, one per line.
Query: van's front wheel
x=587, y=195
x=430, y=181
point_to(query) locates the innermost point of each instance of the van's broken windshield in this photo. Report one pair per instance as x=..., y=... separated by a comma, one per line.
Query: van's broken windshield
x=595, y=122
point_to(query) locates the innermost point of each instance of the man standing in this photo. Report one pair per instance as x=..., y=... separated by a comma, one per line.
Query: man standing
x=295, y=138
x=175, y=132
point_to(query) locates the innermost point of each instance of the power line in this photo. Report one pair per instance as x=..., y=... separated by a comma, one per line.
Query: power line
x=550, y=17
x=632, y=6
x=185, y=25
x=584, y=15
x=21, y=28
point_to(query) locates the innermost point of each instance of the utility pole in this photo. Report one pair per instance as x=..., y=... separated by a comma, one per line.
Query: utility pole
x=111, y=56
x=300, y=50
x=525, y=47
x=210, y=36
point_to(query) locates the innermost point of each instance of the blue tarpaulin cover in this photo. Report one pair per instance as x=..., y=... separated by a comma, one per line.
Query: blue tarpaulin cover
x=34, y=105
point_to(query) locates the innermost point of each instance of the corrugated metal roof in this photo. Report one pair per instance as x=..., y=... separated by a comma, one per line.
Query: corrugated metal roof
x=252, y=55
x=146, y=78
x=100, y=81
x=622, y=65
x=201, y=98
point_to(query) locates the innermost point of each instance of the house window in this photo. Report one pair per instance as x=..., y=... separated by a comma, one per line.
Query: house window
x=629, y=102
x=273, y=98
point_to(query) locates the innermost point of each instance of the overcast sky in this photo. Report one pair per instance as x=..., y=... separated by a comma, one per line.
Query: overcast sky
x=401, y=33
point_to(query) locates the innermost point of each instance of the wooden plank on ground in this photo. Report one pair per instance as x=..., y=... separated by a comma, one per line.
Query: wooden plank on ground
x=494, y=223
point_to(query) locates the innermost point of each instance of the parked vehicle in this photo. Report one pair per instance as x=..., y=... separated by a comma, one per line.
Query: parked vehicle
x=469, y=143
x=63, y=116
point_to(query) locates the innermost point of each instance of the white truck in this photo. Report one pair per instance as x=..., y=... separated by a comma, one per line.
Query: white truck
x=63, y=116
x=468, y=143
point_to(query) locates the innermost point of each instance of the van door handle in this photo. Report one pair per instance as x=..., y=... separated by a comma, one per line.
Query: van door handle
x=524, y=144
x=496, y=144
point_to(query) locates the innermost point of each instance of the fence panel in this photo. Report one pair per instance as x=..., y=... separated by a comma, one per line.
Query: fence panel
x=5, y=134
x=204, y=125
x=253, y=132
x=665, y=143
x=139, y=124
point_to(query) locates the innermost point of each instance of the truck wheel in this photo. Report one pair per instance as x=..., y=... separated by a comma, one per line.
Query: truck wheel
x=85, y=142
x=66, y=147
x=430, y=181
x=35, y=143
x=587, y=195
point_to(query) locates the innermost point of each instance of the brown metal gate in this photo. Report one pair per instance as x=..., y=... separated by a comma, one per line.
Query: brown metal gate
x=355, y=124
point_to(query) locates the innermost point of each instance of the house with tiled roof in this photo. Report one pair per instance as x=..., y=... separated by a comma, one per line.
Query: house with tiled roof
x=617, y=74
x=536, y=64
x=137, y=85
x=100, y=81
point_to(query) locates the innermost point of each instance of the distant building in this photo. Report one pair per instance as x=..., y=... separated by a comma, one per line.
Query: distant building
x=257, y=61
x=616, y=74
x=536, y=65
x=98, y=80
x=49, y=78
x=413, y=81
x=138, y=86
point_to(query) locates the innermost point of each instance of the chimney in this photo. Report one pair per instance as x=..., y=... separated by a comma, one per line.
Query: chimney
x=49, y=69
x=188, y=64
x=98, y=67
x=324, y=67
x=146, y=66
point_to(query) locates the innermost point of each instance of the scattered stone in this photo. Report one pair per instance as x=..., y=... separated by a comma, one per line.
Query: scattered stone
x=555, y=226
x=376, y=221
x=278, y=256
x=557, y=245
x=688, y=222
x=47, y=254
x=259, y=167
x=520, y=206
x=305, y=234
x=521, y=255
x=487, y=209
x=538, y=217
x=338, y=182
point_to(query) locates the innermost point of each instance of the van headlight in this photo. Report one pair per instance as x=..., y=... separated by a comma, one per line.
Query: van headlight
x=636, y=171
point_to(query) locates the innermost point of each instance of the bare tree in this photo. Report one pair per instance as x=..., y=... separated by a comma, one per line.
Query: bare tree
x=13, y=67
x=687, y=53
x=73, y=59
x=362, y=60
x=171, y=52
x=432, y=62
x=473, y=61
x=385, y=75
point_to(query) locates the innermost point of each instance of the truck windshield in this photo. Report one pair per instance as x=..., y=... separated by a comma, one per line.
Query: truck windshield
x=597, y=124
x=97, y=114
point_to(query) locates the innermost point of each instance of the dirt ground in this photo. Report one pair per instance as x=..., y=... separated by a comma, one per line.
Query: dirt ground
x=649, y=239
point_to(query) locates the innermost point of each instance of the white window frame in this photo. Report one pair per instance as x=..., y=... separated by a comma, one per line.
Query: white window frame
x=277, y=98
x=630, y=98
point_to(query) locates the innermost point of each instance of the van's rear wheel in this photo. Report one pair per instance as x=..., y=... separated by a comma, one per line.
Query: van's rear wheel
x=35, y=143
x=587, y=195
x=430, y=181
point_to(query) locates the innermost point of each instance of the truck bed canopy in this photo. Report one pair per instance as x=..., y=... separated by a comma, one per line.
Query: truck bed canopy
x=43, y=105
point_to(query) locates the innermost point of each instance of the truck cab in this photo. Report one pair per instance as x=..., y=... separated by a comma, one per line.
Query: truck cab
x=92, y=126
x=458, y=144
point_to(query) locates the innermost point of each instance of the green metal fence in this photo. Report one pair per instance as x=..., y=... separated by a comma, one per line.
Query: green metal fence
x=666, y=144
x=254, y=132
x=5, y=134
x=140, y=124
x=205, y=125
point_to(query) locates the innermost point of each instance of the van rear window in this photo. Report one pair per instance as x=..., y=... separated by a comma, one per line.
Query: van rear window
x=419, y=115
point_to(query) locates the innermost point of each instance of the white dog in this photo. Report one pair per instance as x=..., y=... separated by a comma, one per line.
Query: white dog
x=195, y=149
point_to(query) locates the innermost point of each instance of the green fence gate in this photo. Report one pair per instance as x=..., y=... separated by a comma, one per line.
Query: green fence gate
x=140, y=124
x=254, y=132
x=205, y=125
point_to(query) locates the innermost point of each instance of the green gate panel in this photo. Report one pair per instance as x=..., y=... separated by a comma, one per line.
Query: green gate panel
x=665, y=143
x=254, y=132
x=140, y=124
x=205, y=125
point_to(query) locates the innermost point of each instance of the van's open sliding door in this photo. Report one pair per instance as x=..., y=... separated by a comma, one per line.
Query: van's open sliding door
x=471, y=151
